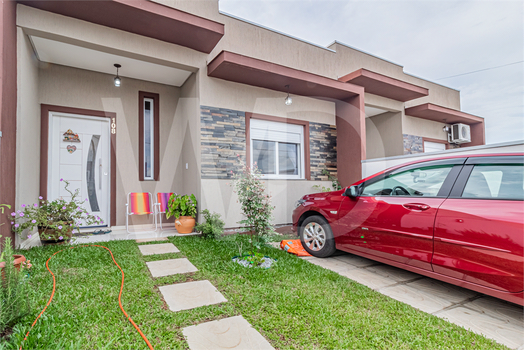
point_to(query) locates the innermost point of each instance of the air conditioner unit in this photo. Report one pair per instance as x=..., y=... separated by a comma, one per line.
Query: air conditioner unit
x=460, y=133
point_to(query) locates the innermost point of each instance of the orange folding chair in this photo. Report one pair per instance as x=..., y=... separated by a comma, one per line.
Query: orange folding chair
x=140, y=203
x=161, y=204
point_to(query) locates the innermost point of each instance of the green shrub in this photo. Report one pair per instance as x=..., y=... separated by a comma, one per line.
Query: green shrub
x=14, y=296
x=212, y=227
x=255, y=205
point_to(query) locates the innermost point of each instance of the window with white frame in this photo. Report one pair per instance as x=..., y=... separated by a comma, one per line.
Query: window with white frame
x=277, y=149
x=149, y=135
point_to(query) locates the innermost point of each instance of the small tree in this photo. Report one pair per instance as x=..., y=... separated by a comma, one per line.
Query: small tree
x=14, y=296
x=256, y=206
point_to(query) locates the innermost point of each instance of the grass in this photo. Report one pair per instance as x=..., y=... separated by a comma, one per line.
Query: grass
x=294, y=305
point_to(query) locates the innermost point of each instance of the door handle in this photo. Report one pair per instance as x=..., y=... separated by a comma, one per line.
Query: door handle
x=416, y=206
x=100, y=174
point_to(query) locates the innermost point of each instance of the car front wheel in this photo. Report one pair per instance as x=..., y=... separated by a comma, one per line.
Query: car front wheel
x=316, y=237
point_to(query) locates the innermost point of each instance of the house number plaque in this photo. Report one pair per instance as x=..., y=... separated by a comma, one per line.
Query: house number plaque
x=113, y=125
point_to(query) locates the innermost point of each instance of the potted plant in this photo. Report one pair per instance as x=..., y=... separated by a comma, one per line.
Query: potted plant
x=184, y=209
x=56, y=220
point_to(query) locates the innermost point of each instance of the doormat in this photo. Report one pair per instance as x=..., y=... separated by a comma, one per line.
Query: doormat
x=294, y=246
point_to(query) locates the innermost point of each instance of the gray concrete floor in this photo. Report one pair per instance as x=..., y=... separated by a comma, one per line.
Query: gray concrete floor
x=494, y=318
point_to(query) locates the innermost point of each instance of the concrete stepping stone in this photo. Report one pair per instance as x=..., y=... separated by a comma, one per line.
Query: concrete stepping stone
x=169, y=267
x=189, y=295
x=228, y=333
x=152, y=249
x=145, y=240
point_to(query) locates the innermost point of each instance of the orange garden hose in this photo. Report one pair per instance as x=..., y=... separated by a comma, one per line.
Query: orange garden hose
x=119, y=295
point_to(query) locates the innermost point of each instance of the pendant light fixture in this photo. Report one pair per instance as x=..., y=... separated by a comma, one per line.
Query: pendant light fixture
x=288, y=99
x=117, y=79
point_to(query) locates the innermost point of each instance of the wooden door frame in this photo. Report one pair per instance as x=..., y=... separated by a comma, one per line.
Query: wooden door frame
x=44, y=147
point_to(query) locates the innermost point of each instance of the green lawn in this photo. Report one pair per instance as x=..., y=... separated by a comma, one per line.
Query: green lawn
x=294, y=305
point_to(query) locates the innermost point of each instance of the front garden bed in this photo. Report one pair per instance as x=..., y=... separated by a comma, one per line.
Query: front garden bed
x=294, y=304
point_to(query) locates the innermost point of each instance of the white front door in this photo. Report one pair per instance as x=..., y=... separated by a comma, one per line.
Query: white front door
x=79, y=152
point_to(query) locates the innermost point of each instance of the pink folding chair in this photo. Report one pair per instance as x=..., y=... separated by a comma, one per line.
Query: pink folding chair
x=140, y=203
x=161, y=204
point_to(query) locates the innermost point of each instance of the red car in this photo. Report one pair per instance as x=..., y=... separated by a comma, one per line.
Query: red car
x=456, y=219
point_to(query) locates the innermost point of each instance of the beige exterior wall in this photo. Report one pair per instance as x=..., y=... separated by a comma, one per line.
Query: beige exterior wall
x=384, y=135
x=28, y=125
x=423, y=127
x=71, y=87
x=224, y=94
x=218, y=196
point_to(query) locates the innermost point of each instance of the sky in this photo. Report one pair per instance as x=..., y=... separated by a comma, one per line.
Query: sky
x=437, y=40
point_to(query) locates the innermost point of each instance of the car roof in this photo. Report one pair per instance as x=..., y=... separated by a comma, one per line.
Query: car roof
x=465, y=156
x=454, y=157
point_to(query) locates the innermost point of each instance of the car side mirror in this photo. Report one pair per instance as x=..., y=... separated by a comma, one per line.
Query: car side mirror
x=352, y=192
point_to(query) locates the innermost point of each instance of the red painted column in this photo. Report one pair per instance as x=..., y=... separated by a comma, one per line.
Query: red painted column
x=351, y=139
x=8, y=86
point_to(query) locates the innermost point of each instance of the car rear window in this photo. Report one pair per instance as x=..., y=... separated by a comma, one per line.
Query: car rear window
x=498, y=181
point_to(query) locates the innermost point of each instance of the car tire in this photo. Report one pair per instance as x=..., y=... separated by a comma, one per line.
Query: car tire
x=316, y=237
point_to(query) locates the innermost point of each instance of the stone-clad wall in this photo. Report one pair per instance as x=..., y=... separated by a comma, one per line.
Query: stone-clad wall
x=412, y=144
x=322, y=150
x=223, y=138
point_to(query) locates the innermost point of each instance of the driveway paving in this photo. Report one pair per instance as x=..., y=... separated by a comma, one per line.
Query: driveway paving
x=496, y=319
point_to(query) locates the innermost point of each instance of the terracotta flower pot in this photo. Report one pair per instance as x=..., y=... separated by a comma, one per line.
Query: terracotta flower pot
x=19, y=259
x=185, y=224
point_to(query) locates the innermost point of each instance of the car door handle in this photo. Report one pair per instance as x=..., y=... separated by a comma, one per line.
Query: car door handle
x=416, y=206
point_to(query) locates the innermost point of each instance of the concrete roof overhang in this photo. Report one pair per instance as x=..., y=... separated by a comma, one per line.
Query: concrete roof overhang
x=141, y=17
x=378, y=84
x=251, y=71
x=442, y=114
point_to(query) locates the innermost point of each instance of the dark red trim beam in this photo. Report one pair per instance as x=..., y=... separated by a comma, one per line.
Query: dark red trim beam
x=385, y=86
x=141, y=17
x=251, y=71
x=442, y=114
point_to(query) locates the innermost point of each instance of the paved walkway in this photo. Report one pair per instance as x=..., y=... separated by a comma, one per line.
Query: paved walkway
x=228, y=333
x=494, y=318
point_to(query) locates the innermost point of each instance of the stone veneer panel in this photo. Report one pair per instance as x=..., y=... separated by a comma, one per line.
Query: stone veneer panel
x=412, y=144
x=223, y=137
x=322, y=150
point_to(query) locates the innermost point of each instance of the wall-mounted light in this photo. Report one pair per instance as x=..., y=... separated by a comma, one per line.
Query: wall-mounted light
x=117, y=79
x=288, y=99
